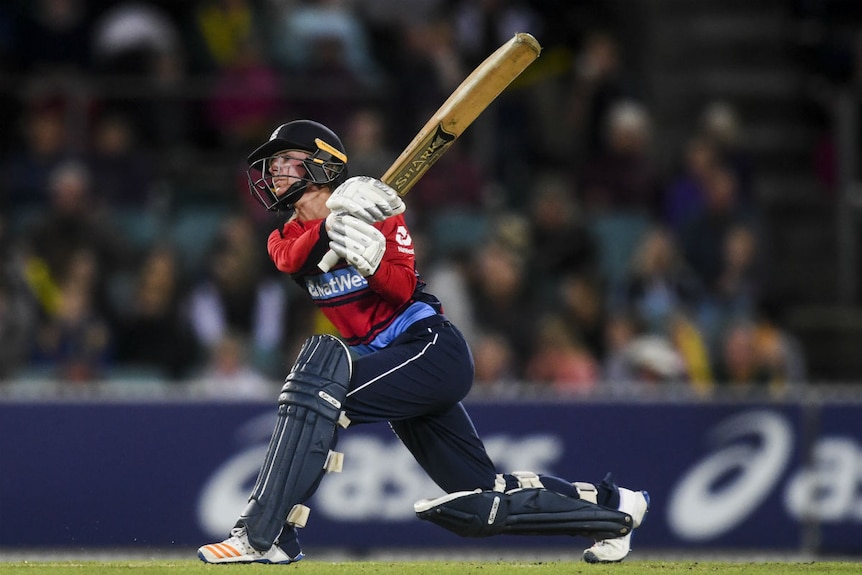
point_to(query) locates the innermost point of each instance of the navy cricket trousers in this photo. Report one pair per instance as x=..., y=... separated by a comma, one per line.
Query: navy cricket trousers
x=417, y=384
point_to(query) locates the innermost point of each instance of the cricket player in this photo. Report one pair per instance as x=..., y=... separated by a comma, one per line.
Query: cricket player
x=398, y=360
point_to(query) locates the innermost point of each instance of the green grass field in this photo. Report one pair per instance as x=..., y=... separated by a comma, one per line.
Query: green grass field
x=310, y=567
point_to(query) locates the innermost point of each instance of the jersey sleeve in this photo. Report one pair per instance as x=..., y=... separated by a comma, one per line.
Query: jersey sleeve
x=395, y=279
x=298, y=246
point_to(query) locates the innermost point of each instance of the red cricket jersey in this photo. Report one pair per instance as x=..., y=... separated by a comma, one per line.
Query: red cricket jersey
x=360, y=308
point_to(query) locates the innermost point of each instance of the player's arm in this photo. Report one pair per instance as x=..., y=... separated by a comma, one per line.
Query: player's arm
x=297, y=245
x=395, y=278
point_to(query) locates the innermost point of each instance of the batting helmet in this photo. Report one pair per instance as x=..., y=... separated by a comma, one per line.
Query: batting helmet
x=327, y=164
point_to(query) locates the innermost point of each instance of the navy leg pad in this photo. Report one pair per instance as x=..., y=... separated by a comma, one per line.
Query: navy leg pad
x=310, y=405
x=522, y=512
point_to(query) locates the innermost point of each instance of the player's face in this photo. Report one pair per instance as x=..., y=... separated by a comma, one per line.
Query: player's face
x=286, y=169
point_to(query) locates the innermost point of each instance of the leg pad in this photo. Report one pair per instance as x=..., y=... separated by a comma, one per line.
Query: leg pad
x=300, y=450
x=522, y=512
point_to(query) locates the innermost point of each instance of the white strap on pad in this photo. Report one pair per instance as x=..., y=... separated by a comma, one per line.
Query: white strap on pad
x=586, y=491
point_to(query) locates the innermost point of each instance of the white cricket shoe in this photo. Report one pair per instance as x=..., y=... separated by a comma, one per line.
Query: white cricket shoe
x=237, y=549
x=636, y=504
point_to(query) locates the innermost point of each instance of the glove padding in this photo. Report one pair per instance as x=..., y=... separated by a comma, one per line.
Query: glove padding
x=366, y=198
x=360, y=244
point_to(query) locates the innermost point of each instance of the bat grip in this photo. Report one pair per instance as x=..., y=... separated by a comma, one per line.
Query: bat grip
x=328, y=260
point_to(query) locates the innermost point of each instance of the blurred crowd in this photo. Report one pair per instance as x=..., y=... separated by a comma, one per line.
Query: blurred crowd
x=572, y=258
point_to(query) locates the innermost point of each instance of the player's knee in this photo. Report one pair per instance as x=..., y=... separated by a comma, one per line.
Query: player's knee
x=320, y=377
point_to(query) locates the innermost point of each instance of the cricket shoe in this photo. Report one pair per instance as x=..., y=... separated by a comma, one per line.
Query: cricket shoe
x=237, y=549
x=636, y=504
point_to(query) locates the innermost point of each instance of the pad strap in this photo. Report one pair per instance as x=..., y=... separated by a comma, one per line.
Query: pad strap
x=587, y=491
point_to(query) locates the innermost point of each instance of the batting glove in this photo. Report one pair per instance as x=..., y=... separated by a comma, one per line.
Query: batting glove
x=360, y=244
x=366, y=198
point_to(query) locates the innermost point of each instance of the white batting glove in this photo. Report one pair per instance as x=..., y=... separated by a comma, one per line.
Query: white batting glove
x=333, y=222
x=367, y=198
x=360, y=244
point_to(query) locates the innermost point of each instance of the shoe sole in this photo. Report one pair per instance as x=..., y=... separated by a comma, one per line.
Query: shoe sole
x=591, y=557
x=249, y=561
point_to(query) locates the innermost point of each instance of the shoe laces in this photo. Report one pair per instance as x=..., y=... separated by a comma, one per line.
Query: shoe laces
x=239, y=535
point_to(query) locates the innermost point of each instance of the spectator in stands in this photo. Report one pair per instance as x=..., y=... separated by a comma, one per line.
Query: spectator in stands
x=736, y=292
x=720, y=122
x=73, y=341
x=659, y=284
x=143, y=41
x=239, y=296
x=739, y=282
x=704, y=238
x=228, y=373
x=756, y=353
x=494, y=364
x=314, y=33
x=130, y=37
x=600, y=81
x=561, y=240
x=71, y=225
x=742, y=363
x=686, y=193
x=581, y=302
x=325, y=43
x=124, y=173
x=637, y=357
x=247, y=95
x=560, y=361
x=44, y=146
x=623, y=176
x=153, y=333
x=500, y=301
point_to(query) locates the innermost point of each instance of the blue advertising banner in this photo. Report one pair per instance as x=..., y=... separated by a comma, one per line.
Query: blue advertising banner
x=721, y=475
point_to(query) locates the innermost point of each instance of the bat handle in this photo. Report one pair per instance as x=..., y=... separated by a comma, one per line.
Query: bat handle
x=328, y=260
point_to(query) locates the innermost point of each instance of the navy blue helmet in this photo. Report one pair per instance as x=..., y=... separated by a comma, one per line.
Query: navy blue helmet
x=327, y=164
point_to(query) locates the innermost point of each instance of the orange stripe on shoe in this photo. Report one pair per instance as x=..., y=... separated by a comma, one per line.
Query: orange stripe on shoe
x=229, y=550
x=214, y=550
x=223, y=551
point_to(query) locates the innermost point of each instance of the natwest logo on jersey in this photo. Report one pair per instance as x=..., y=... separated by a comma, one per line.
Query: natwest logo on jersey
x=335, y=284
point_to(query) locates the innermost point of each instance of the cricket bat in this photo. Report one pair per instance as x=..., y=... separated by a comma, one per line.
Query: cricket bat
x=463, y=106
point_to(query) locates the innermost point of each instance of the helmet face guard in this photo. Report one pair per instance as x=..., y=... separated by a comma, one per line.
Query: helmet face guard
x=326, y=165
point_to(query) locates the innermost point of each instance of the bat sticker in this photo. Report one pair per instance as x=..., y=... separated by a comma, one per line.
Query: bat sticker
x=428, y=153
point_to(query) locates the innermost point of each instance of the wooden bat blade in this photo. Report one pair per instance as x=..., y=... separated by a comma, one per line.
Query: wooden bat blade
x=469, y=99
